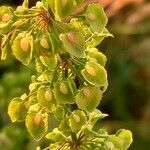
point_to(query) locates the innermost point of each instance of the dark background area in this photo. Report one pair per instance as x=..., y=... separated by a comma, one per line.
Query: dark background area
x=127, y=99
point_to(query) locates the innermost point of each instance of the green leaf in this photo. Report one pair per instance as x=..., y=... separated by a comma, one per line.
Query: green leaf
x=5, y=47
x=96, y=17
x=88, y=98
x=95, y=74
x=49, y=62
x=121, y=140
x=64, y=125
x=64, y=7
x=47, y=75
x=25, y=3
x=95, y=116
x=96, y=56
x=56, y=136
x=56, y=146
x=96, y=38
x=45, y=97
x=80, y=25
x=126, y=137
x=77, y=120
x=89, y=132
x=23, y=47
x=37, y=124
x=17, y=110
x=55, y=42
x=64, y=91
x=59, y=112
x=74, y=43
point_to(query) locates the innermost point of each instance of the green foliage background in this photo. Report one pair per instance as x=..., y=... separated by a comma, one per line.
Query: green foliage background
x=126, y=100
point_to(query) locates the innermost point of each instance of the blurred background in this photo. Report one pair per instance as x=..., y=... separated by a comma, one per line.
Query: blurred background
x=127, y=100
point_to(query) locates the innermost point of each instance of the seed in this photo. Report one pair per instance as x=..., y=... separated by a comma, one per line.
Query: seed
x=71, y=38
x=63, y=88
x=76, y=118
x=90, y=70
x=37, y=119
x=6, y=17
x=87, y=92
x=44, y=43
x=48, y=95
x=92, y=16
x=24, y=44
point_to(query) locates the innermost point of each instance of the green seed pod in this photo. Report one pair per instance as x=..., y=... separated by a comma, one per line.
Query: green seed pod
x=96, y=56
x=64, y=7
x=88, y=98
x=77, y=120
x=95, y=74
x=37, y=125
x=17, y=110
x=23, y=47
x=49, y=62
x=74, y=43
x=6, y=18
x=43, y=44
x=96, y=17
x=64, y=91
x=45, y=97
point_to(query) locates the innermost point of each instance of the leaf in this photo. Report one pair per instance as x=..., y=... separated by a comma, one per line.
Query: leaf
x=64, y=92
x=95, y=116
x=74, y=43
x=126, y=137
x=96, y=56
x=23, y=47
x=64, y=7
x=88, y=98
x=49, y=62
x=77, y=120
x=37, y=125
x=96, y=38
x=56, y=136
x=59, y=112
x=25, y=3
x=5, y=47
x=47, y=75
x=95, y=74
x=17, y=110
x=96, y=17
x=89, y=132
x=55, y=42
x=121, y=140
x=64, y=125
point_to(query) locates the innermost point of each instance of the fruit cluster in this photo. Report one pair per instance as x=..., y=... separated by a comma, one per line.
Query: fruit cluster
x=60, y=36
